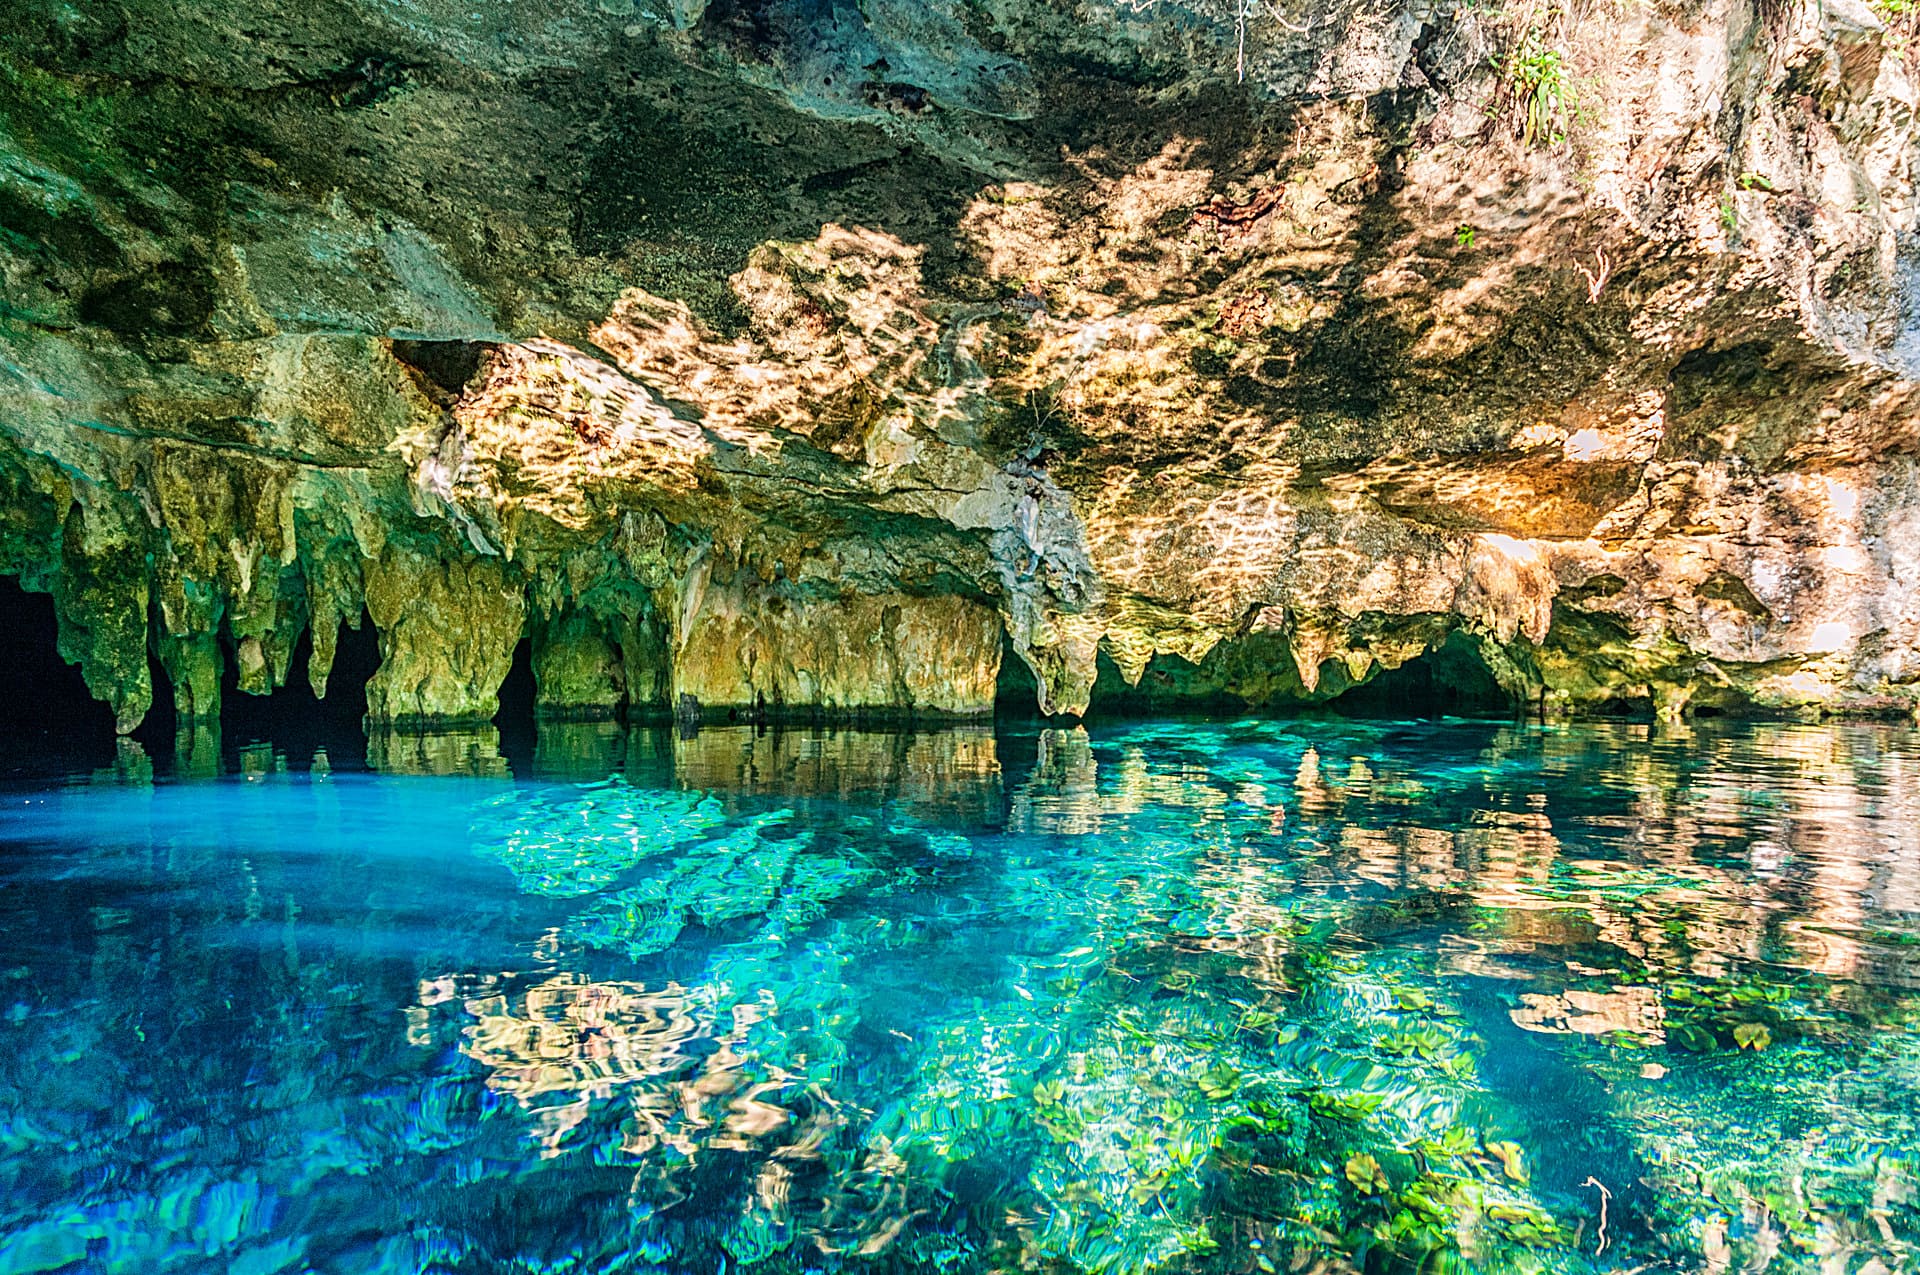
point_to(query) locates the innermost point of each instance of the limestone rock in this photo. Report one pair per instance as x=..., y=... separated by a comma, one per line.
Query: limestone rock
x=746, y=646
x=1176, y=352
x=447, y=627
x=577, y=668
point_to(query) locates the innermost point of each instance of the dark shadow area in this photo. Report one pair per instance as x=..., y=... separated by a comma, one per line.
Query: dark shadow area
x=1630, y=708
x=356, y=657
x=1014, y=694
x=442, y=369
x=1166, y=689
x=1451, y=680
x=48, y=721
x=294, y=720
x=515, y=716
x=1169, y=686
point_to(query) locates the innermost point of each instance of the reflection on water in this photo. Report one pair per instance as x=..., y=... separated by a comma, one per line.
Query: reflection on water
x=474, y=751
x=1246, y=997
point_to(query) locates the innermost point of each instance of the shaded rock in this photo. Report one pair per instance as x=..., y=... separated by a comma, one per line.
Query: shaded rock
x=577, y=668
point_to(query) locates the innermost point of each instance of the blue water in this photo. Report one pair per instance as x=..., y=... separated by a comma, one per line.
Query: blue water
x=1279, y=996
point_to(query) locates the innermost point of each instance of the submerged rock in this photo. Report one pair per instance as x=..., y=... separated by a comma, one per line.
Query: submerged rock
x=1177, y=353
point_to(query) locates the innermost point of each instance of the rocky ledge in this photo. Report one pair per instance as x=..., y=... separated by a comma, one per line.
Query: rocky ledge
x=753, y=354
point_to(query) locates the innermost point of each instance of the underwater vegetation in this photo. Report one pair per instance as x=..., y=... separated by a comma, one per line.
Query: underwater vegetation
x=1253, y=997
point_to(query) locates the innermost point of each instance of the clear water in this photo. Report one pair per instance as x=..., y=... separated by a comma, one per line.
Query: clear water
x=1278, y=996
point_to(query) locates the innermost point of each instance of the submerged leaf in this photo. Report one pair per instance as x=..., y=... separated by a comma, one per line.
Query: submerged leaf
x=1688, y=1036
x=1366, y=1174
x=1219, y=1081
x=1508, y=1154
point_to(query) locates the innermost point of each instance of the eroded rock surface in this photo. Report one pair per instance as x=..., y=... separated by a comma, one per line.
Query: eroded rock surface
x=743, y=359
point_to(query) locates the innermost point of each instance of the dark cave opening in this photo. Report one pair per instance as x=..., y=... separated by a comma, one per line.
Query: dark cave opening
x=442, y=369
x=290, y=722
x=519, y=691
x=293, y=711
x=50, y=722
x=46, y=711
x=1015, y=693
x=1449, y=680
x=515, y=718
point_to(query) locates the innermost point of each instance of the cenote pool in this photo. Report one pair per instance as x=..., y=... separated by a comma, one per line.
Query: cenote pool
x=1272, y=996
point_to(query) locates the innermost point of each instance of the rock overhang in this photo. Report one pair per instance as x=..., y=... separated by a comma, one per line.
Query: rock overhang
x=1263, y=358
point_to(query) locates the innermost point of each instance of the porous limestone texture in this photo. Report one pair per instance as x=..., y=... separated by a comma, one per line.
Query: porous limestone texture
x=744, y=360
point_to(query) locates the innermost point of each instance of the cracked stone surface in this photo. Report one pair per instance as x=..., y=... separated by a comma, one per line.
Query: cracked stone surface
x=752, y=356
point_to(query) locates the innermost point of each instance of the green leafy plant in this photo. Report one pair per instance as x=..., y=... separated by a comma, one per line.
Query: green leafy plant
x=1903, y=24
x=1219, y=1081
x=1463, y=235
x=1345, y=1106
x=1535, y=84
x=1692, y=1038
x=1452, y=1143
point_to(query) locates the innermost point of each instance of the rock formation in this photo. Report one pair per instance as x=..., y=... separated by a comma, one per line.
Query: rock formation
x=777, y=358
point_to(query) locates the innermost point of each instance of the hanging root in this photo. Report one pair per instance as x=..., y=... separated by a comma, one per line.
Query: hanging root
x=1605, y=1195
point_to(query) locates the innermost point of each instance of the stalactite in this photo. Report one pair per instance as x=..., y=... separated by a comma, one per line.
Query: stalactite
x=101, y=596
x=193, y=665
x=448, y=626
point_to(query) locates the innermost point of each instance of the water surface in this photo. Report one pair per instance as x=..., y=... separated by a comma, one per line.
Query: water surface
x=1270, y=996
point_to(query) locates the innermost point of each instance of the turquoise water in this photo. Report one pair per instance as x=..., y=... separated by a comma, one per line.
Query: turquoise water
x=1277, y=996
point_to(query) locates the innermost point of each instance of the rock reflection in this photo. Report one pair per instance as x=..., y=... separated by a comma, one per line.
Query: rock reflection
x=1693, y=892
x=473, y=752
x=196, y=750
x=684, y=1073
x=574, y=1040
x=1167, y=998
x=1062, y=794
x=949, y=776
x=567, y=749
x=131, y=767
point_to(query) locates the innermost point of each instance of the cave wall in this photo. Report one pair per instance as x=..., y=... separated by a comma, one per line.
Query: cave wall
x=1242, y=364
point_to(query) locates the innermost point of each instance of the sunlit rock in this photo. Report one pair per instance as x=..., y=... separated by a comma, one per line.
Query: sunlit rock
x=746, y=646
x=1182, y=354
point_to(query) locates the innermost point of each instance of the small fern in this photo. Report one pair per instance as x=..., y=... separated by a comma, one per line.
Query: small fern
x=1534, y=79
